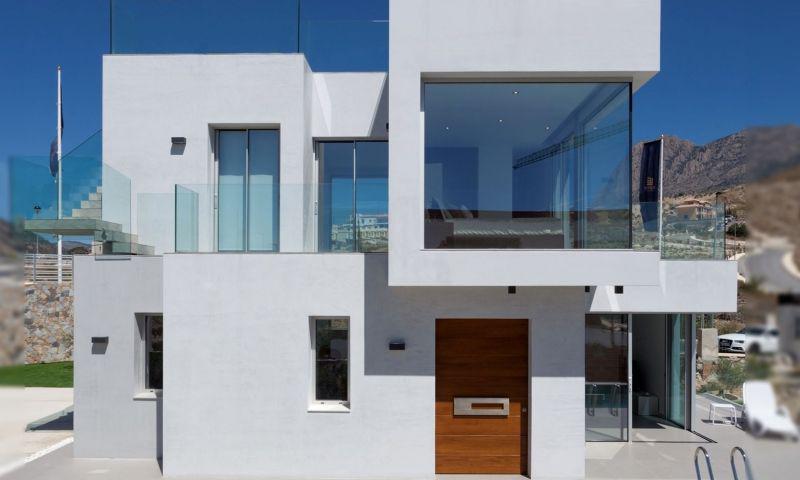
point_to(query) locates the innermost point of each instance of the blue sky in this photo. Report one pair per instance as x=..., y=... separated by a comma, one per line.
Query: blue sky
x=725, y=65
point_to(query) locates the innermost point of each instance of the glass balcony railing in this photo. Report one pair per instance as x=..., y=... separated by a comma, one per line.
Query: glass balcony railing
x=334, y=36
x=267, y=218
x=688, y=231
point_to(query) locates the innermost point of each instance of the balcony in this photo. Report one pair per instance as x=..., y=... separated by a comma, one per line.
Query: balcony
x=271, y=218
x=95, y=201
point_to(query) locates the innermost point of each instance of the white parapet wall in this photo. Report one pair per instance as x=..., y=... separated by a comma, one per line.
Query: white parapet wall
x=685, y=286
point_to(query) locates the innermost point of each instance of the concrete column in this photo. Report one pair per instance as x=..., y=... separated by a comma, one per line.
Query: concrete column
x=556, y=435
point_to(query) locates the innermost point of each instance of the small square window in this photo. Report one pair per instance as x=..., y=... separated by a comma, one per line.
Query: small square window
x=331, y=351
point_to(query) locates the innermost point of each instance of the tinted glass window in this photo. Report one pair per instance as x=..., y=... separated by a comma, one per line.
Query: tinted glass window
x=332, y=353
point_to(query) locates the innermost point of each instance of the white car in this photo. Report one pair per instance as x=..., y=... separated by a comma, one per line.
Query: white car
x=750, y=339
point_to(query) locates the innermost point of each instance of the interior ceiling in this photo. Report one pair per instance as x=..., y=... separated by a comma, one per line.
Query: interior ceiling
x=471, y=115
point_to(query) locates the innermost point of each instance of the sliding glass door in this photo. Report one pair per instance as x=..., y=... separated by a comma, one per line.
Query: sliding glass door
x=353, y=196
x=248, y=190
x=606, y=378
x=676, y=364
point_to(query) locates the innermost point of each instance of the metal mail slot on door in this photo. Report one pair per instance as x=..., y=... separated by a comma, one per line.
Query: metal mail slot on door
x=497, y=407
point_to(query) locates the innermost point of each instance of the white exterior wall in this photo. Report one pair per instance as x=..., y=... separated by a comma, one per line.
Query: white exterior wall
x=109, y=292
x=147, y=99
x=613, y=40
x=684, y=286
x=251, y=384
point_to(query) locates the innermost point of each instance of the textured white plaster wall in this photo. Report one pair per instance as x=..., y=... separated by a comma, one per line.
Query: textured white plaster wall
x=248, y=316
x=109, y=292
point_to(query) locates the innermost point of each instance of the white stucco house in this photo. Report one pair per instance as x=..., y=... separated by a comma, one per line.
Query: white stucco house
x=432, y=263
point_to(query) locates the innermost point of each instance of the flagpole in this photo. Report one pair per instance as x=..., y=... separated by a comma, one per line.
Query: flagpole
x=58, y=156
x=660, y=195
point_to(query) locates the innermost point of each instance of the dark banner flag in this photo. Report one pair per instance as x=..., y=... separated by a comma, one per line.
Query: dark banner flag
x=649, y=184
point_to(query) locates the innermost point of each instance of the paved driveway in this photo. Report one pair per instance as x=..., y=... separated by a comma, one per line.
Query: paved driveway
x=18, y=408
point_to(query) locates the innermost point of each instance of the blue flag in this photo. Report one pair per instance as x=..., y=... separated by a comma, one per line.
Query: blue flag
x=649, y=184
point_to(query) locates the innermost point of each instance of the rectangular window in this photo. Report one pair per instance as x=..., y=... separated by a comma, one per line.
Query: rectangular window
x=248, y=190
x=353, y=196
x=527, y=165
x=331, y=358
x=149, y=362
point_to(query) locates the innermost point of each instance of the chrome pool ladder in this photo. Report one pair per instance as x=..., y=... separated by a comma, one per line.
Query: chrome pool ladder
x=747, y=470
x=697, y=463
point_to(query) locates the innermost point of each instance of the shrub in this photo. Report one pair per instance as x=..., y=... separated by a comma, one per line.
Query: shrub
x=730, y=375
x=757, y=369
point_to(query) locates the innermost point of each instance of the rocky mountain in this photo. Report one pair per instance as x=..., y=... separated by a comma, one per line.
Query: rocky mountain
x=743, y=157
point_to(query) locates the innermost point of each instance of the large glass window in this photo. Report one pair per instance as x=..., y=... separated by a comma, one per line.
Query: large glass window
x=248, y=190
x=527, y=165
x=331, y=355
x=353, y=196
x=606, y=378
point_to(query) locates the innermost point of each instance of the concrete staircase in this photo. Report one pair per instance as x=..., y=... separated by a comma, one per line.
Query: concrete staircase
x=87, y=220
x=91, y=208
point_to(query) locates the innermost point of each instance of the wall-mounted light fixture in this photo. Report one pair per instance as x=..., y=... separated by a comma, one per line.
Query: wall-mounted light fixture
x=619, y=289
x=512, y=290
x=99, y=345
x=179, y=140
x=397, y=345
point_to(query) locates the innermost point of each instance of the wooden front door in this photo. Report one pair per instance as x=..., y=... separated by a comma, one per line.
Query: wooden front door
x=481, y=362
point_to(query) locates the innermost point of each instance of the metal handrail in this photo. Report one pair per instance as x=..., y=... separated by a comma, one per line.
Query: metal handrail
x=708, y=463
x=616, y=393
x=746, y=461
x=590, y=409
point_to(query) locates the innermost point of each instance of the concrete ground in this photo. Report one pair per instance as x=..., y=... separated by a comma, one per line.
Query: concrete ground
x=673, y=458
x=18, y=408
x=670, y=458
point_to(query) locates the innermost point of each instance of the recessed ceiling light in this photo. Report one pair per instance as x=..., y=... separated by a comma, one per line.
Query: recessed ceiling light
x=447, y=128
x=501, y=120
x=516, y=92
x=547, y=127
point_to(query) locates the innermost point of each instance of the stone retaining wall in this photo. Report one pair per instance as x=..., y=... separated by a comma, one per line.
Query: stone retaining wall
x=49, y=322
x=12, y=304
